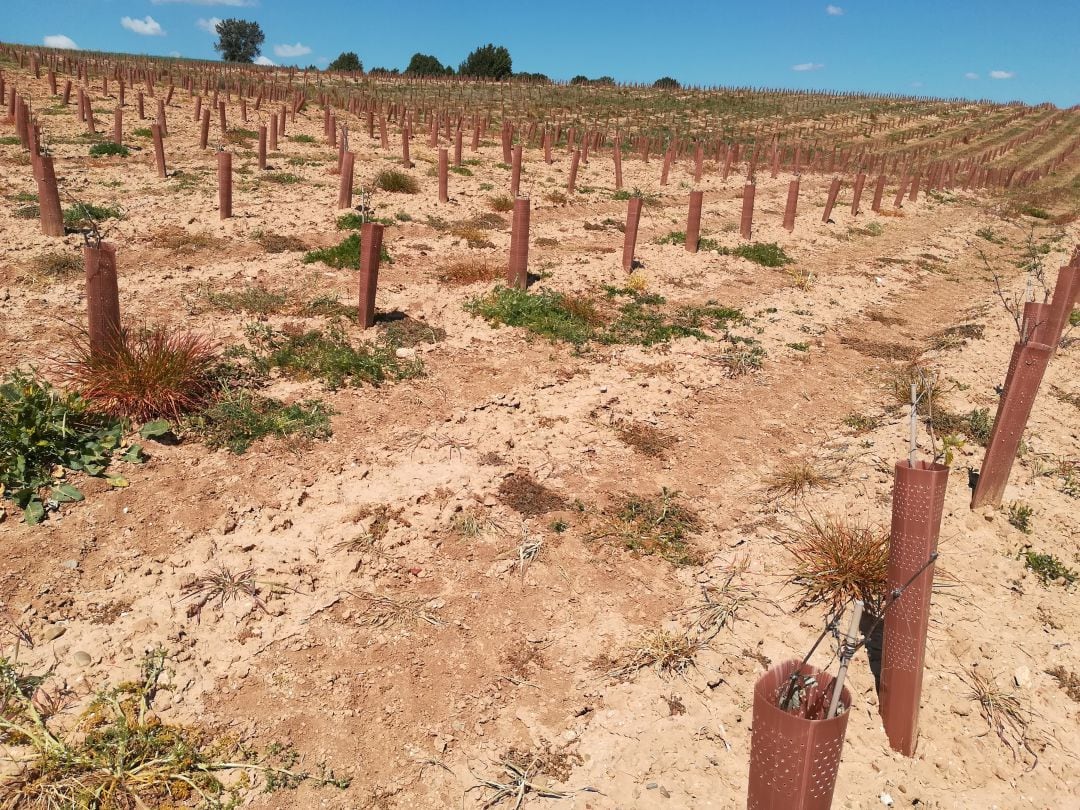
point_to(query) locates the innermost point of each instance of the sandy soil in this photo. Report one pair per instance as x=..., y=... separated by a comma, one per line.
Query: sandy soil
x=417, y=711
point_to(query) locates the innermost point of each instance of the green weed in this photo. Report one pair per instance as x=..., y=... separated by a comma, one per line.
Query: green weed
x=109, y=148
x=1047, y=567
x=329, y=356
x=239, y=417
x=344, y=255
x=42, y=428
x=396, y=182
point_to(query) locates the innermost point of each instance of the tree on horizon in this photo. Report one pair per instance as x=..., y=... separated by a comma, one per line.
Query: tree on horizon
x=239, y=40
x=488, y=62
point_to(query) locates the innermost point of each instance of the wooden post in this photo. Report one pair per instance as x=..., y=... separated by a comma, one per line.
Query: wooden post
x=444, y=193
x=52, y=217
x=204, y=129
x=224, y=173
x=102, y=297
x=517, y=273
x=159, y=149
x=118, y=126
x=572, y=181
x=693, y=222
x=792, y=204
x=515, y=171
x=262, y=146
x=371, y=235
x=617, y=157
x=856, y=194
x=747, y=221
x=830, y=201
x=879, y=191
x=348, y=163
x=633, y=217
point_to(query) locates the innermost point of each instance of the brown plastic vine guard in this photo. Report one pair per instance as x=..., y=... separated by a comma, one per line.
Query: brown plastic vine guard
x=793, y=758
x=1026, y=370
x=918, y=503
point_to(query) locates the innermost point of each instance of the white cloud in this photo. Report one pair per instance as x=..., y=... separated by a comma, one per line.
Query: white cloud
x=262, y=60
x=175, y=54
x=970, y=75
x=834, y=11
x=1001, y=74
x=807, y=66
x=208, y=25
x=290, y=51
x=59, y=41
x=208, y=2
x=148, y=27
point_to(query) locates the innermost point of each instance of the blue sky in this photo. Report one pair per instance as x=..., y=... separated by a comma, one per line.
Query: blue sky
x=995, y=49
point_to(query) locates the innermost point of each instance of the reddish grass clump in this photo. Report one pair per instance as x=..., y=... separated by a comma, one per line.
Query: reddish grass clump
x=149, y=373
x=837, y=560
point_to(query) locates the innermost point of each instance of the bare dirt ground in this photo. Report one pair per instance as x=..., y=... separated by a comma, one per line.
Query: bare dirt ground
x=413, y=637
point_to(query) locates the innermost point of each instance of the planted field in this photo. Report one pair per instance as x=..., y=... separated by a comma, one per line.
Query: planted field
x=376, y=477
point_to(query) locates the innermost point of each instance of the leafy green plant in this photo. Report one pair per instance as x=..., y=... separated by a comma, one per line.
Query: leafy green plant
x=106, y=148
x=396, y=182
x=329, y=356
x=1020, y=516
x=551, y=314
x=1047, y=567
x=679, y=238
x=253, y=299
x=84, y=215
x=344, y=255
x=143, y=132
x=767, y=254
x=282, y=178
x=302, y=138
x=145, y=374
x=988, y=234
x=239, y=417
x=43, y=429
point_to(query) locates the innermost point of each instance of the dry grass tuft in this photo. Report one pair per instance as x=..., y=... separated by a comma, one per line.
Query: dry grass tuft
x=518, y=777
x=899, y=379
x=660, y=525
x=148, y=373
x=666, y=652
x=644, y=438
x=179, y=241
x=52, y=266
x=384, y=611
x=523, y=494
x=501, y=203
x=119, y=755
x=224, y=586
x=838, y=559
x=794, y=479
x=956, y=337
x=720, y=604
x=1068, y=681
x=469, y=271
x=279, y=243
x=882, y=350
x=800, y=278
x=473, y=236
x=1003, y=711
